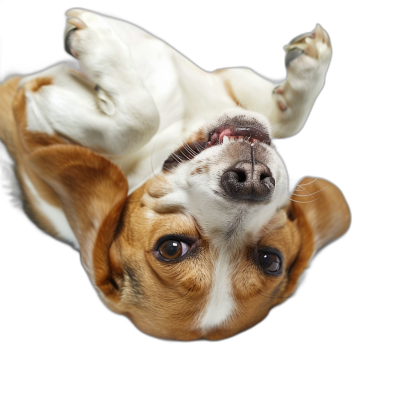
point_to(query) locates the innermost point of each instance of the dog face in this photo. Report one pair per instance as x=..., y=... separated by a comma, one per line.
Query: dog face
x=205, y=249
x=228, y=177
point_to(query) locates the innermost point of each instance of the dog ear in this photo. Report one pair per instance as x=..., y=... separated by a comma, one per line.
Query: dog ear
x=92, y=192
x=320, y=214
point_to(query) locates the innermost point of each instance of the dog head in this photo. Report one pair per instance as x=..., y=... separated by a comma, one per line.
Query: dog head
x=206, y=248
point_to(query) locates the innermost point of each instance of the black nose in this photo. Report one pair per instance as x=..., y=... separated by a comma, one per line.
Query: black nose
x=248, y=181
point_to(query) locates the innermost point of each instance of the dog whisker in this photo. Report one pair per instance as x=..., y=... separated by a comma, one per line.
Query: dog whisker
x=303, y=195
x=198, y=144
x=303, y=202
x=176, y=158
x=308, y=183
x=189, y=150
x=208, y=198
x=269, y=232
x=309, y=194
x=184, y=154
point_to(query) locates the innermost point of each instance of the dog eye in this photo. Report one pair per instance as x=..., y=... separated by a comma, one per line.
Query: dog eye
x=270, y=262
x=172, y=249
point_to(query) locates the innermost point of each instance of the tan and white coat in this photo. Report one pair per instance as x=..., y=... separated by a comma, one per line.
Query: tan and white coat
x=89, y=149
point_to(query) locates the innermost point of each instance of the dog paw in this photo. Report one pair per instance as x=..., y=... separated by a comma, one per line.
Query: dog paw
x=309, y=51
x=307, y=61
x=89, y=38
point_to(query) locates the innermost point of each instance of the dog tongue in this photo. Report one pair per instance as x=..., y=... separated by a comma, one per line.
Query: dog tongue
x=225, y=132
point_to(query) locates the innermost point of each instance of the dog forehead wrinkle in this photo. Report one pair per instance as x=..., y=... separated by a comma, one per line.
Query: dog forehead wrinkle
x=150, y=214
x=175, y=201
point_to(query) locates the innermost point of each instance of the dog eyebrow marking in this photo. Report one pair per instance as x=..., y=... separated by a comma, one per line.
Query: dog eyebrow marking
x=221, y=304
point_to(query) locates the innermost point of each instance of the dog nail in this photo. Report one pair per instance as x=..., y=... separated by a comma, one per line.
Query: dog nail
x=292, y=55
x=67, y=40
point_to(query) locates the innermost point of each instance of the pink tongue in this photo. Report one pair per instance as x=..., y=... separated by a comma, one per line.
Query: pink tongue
x=225, y=132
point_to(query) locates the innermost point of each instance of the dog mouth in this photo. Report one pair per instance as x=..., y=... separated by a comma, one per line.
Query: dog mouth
x=232, y=133
x=235, y=131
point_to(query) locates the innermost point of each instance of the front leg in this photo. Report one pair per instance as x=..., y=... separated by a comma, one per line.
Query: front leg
x=111, y=112
x=288, y=104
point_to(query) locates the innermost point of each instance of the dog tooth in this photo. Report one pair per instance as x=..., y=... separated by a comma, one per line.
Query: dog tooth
x=225, y=139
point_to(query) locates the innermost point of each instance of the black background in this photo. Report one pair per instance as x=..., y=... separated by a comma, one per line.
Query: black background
x=51, y=311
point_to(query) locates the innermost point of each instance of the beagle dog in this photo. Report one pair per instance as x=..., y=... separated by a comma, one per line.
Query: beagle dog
x=166, y=179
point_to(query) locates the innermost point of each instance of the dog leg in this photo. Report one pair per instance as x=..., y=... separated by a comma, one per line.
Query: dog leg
x=111, y=112
x=288, y=104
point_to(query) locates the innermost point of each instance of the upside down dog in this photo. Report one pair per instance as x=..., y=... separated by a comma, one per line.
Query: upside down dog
x=166, y=179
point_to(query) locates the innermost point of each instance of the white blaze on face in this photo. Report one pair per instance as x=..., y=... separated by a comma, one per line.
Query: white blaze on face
x=221, y=304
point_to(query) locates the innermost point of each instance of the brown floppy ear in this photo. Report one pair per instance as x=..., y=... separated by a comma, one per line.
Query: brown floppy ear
x=320, y=214
x=92, y=192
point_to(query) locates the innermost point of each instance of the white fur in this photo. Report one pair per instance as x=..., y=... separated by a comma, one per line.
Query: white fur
x=221, y=304
x=35, y=118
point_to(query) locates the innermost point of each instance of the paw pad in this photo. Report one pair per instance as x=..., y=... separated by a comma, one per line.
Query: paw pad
x=278, y=92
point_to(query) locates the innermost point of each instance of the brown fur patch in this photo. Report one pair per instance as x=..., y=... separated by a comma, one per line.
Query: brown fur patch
x=87, y=185
x=312, y=224
x=35, y=84
x=229, y=90
x=7, y=123
x=12, y=133
x=228, y=86
x=197, y=171
x=107, y=267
